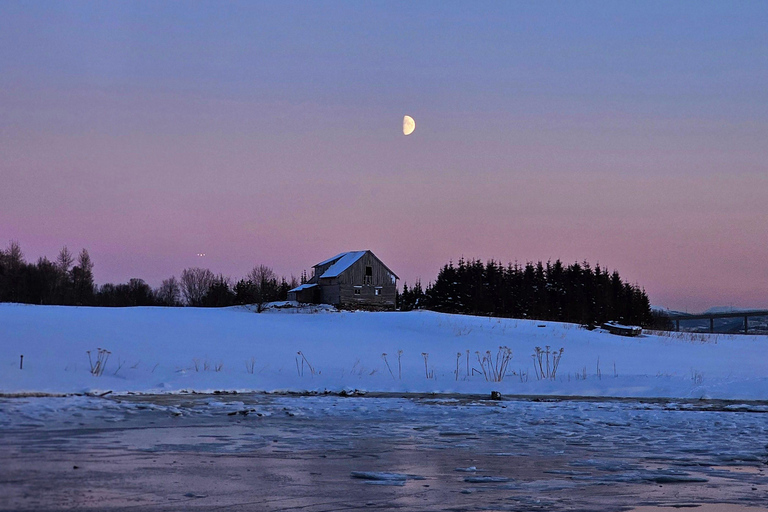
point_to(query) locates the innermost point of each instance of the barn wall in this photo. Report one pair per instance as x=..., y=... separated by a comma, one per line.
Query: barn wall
x=381, y=279
x=367, y=297
x=307, y=295
x=329, y=292
x=354, y=274
x=318, y=271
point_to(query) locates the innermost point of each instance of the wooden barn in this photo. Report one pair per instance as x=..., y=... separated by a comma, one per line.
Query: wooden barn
x=350, y=280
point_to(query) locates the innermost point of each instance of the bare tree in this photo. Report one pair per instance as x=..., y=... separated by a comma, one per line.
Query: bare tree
x=195, y=283
x=169, y=293
x=261, y=274
x=65, y=260
x=14, y=258
x=264, y=281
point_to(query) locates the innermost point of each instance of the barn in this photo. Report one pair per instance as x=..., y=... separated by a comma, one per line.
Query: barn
x=350, y=280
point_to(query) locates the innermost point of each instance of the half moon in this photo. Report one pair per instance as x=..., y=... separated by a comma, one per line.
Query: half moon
x=408, y=125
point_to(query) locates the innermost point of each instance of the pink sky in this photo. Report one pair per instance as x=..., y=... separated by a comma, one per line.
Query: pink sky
x=645, y=152
x=289, y=186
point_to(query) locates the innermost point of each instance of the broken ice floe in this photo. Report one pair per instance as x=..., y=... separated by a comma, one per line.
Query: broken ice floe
x=486, y=479
x=384, y=478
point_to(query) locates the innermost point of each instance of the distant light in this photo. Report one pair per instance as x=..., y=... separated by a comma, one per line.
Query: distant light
x=201, y=254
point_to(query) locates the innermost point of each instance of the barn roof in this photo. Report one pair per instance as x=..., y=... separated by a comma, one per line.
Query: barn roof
x=302, y=287
x=345, y=260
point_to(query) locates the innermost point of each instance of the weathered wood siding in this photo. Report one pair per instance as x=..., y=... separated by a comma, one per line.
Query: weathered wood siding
x=329, y=291
x=320, y=270
x=310, y=295
x=376, y=291
x=355, y=278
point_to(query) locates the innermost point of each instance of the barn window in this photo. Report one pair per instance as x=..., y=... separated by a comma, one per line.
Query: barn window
x=368, y=279
x=357, y=290
x=377, y=291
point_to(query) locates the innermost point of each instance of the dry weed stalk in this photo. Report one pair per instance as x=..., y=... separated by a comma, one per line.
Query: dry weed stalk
x=97, y=368
x=384, y=357
x=696, y=376
x=304, y=360
x=427, y=373
x=120, y=364
x=543, y=366
x=494, y=369
x=468, y=372
x=458, y=358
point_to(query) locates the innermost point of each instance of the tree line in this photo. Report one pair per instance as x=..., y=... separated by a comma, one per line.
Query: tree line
x=575, y=293
x=68, y=281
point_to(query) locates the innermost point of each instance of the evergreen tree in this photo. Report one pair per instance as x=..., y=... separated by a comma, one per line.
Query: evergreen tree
x=64, y=291
x=245, y=292
x=13, y=273
x=44, y=276
x=576, y=293
x=82, y=280
x=219, y=293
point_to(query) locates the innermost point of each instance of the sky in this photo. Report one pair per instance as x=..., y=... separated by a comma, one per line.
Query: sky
x=632, y=134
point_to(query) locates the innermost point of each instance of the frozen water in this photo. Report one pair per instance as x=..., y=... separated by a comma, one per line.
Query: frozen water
x=554, y=454
x=485, y=479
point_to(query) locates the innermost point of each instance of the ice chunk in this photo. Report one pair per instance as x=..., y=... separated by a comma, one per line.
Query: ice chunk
x=486, y=479
x=384, y=476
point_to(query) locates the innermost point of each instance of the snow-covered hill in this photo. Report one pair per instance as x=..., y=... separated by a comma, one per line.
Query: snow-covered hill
x=175, y=349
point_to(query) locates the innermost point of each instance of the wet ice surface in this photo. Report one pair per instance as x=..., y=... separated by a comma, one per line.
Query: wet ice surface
x=271, y=452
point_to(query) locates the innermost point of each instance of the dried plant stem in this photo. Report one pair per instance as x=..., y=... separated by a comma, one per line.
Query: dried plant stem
x=305, y=360
x=384, y=356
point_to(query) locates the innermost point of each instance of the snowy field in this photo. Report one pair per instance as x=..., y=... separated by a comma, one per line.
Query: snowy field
x=166, y=350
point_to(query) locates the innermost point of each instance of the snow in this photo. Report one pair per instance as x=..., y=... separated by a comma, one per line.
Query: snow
x=170, y=350
x=346, y=260
x=302, y=287
x=329, y=260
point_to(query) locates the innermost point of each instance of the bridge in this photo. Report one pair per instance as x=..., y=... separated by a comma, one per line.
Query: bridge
x=746, y=315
